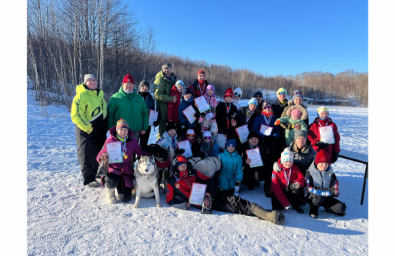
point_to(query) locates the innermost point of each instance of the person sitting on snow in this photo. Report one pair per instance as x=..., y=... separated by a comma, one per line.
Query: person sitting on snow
x=322, y=186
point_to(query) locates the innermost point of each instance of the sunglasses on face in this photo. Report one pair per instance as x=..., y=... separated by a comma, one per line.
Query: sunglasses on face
x=237, y=94
x=267, y=107
x=281, y=93
x=191, y=136
x=207, y=138
x=167, y=69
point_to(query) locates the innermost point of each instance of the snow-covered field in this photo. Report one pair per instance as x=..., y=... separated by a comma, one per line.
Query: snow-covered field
x=63, y=217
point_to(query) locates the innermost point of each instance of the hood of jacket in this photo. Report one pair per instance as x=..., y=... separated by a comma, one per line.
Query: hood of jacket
x=94, y=93
x=174, y=91
x=278, y=167
x=301, y=109
x=186, y=102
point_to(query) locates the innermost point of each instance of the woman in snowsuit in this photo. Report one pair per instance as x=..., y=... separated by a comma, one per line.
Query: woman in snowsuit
x=89, y=114
x=150, y=102
x=232, y=166
x=120, y=175
x=323, y=186
x=287, y=180
x=323, y=120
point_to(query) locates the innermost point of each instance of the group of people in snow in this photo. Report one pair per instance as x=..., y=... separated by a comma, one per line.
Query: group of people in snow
x=296, y=161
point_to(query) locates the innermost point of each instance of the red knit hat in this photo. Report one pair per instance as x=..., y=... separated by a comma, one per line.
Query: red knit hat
x=128, y=79
x=322, y=157
x=201, y=71
x=229, y=93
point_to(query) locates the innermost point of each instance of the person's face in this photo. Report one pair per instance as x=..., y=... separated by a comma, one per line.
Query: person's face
x=167, y=71
x=252, y=107
x=190, y=136
x=323, y=114
x=231, y=149
x=182, y=167
x=172, y=132
x=188, y=96
x=322, y=166
x=122, y=132
x=228, y=99
x=236, y=97
x=91, y=83
x=201, y=77
x=294, y=118
x=300, y=142
x=144, y=88
x=180, y=87
x=282, y=96
x=287, y=164
x=209, y=92
x=207, y=139
x=128, y=87
x=267, y=109
x=298, y=101
x=259, y=98
x=254, y=141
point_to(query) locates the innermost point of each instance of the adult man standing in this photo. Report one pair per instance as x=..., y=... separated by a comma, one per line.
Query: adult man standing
x=259, y=97
x=164, y=81
x=89, y=114
x=278, y=108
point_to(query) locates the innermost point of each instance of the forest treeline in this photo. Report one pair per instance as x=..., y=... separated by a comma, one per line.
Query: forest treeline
x=69, y=38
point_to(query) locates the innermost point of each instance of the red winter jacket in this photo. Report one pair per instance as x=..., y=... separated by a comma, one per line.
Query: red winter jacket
x=279, y=181
x=172, y=108
x=314, y=135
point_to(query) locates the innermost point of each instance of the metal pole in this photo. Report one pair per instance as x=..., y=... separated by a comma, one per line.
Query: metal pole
x=364, y=183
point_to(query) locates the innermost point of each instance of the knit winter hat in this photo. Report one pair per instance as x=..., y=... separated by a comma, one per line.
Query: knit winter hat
x=170, y=125
x=144, y=82
x=229, y=93
x=253, y=134
x=300, y=133
x=281, y=90
x=201, y=72
x=238, y=90
x=190, y=132
x=322, y=109
x=128, y=79
x=87, y=76
x=296, y=113
x=252, y=101
x=322, y=157
x=186, y=91
x=258, y=93
x=297, y=94
x=207, y=134
x=179, y=160
x=167, y=65
x=231, y=142
x=180, y=82
x=287, y=155
x=121, y=124
x=266, y=104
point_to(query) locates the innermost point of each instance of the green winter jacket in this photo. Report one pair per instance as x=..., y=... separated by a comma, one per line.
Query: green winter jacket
x=87, y=106
x=130, y=107
x=162, y=88
x=289, y=134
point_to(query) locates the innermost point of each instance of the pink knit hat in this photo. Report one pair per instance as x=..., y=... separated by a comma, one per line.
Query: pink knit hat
x=296, y=113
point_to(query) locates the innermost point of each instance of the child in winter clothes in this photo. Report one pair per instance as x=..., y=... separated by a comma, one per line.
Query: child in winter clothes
x=322, y=186
x=205, y=123
x=323, y=120
x=224, y=113
x=237, y=95
x=172, y=107
x=194, y=142
x=120, y=175
x=287, y=180
x=232, y=166
x=208, y=147
x=186, y=101
x=295, y=114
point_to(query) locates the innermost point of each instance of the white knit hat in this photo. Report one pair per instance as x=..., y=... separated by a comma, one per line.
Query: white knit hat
x=238, y=90
x=206, y=134
x=287, y=155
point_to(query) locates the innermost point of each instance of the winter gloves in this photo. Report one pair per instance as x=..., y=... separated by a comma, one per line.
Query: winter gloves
x=278, y=122
x=322, y=145
x=156, y=123
x=180, y=151
x=335, y=156
x=294, y=186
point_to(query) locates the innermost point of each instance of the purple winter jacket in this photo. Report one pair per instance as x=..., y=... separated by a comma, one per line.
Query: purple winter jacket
x=132, y=147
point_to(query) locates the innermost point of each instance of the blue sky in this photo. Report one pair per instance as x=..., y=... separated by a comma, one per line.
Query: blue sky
x=269, y=37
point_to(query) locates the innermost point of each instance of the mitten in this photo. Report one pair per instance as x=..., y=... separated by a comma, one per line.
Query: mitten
x=277, y=122
x=200, y=119
x=180, y=151
x=197, y=115
x=335, y=156
x=294, y=186
x=156, y=123
x=322, y=145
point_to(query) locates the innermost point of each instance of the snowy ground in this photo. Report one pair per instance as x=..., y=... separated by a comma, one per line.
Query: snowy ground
x=63, y=217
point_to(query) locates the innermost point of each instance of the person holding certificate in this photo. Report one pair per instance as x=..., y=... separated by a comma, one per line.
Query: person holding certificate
x=232, y=166
x=207, y=118
x=181, y=182
x=224, y=113
x=119, y=150
x=187, y=112
x=324, y=135
x=252, y=175
x=150, y=102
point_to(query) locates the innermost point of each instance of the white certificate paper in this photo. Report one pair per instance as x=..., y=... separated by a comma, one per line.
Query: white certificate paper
x=187, y=147
x=266, y=130
x=114, y=151
x=243, y=132
x=326, y=134
x=189, y=113
x=255, y=156
x=202, y=104
x=197, y=193
x=209, y=116
x=153, y=116
x=221, y=140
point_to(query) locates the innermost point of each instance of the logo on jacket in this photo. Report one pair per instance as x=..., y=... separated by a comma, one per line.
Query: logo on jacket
x=273, y=176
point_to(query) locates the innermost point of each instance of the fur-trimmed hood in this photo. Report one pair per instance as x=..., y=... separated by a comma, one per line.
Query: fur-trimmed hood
x=300, y=108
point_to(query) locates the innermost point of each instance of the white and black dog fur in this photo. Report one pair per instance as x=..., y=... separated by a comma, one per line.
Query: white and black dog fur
x=146, y=183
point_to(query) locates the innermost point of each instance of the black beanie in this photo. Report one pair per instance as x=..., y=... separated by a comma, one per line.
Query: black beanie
x=186, y=91
x=144, y=82
x=171, y=125
x=253, y=134
x=258, y=93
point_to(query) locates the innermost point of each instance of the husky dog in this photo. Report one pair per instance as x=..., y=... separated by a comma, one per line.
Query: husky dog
x=146, y=184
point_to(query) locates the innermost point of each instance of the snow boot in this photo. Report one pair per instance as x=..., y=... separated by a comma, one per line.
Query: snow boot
x=110, y=195
x=93, y=184
x=313, y=212
x=277, y=217
x=338, y=209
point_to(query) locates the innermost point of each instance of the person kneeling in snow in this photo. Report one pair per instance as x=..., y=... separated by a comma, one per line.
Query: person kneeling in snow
x=322, y=186
x=287, y=180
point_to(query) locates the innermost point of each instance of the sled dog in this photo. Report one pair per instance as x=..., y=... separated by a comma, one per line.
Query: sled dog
x=146, y=184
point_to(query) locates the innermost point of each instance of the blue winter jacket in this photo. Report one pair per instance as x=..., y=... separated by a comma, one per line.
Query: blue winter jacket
x=259, y=120
x=232, y=165
x=181, y=117
x=214, y=152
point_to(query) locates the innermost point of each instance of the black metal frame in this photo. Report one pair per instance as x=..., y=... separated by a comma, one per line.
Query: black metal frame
x=365, y=176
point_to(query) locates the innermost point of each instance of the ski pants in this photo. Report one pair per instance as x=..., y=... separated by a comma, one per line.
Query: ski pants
x=329, y=202
x=227, y=182
x=293, y=198
x=225, y=201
